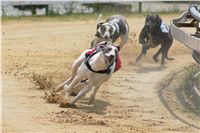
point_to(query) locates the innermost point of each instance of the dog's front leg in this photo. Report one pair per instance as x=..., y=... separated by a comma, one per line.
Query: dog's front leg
x=71, y=104
x=92, y=97
x=75, y=81
x=96, y=41
x=155, y=56
x=80, y=94
x=60, y=87
x=139, y=57
x=142, y=40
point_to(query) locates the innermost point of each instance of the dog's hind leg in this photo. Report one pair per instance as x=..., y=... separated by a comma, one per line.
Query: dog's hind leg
x=169, y=46
x=164, y=54
x=167, y=55
x=165, y=49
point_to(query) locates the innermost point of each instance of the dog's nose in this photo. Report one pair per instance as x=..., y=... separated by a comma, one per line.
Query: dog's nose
x=106, y=37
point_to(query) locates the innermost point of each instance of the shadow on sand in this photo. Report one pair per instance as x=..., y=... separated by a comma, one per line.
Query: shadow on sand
x=98, y=106
x=168, y=107
x=148, y=69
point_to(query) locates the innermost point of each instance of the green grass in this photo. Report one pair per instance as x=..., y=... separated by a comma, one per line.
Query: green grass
x=81, y=16
x=190, y=72
x=69, y=17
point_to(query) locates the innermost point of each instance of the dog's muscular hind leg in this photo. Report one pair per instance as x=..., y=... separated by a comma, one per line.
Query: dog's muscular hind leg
x=167, y=55
x=164, y=54
x=169, y=46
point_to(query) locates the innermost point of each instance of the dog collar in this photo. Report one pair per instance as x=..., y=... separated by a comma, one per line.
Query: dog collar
x=107, y=71
x=164, y=27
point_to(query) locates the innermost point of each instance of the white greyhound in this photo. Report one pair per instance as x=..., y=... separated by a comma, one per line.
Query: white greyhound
x=97, y=68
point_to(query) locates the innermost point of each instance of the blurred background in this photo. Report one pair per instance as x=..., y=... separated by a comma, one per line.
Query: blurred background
x=49, y=7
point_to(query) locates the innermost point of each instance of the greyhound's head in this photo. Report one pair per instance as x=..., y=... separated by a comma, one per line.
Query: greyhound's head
x=105, y=30
x=110, y=53
x=153, y=21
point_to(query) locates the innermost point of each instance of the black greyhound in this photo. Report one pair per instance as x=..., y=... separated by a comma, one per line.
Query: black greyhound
x=155, y=33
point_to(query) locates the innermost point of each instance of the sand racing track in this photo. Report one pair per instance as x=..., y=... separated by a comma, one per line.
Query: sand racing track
x=130, y=102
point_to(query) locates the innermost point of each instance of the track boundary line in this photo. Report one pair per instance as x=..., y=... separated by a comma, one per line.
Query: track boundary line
x=165, y=103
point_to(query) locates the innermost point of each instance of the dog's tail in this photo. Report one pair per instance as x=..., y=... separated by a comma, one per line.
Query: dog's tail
x=99, y=18
x=93, y=36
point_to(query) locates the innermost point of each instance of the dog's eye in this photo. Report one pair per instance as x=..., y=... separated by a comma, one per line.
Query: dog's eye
x=109, y=49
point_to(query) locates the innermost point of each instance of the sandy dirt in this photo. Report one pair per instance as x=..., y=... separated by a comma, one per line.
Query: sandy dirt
x=128, y=102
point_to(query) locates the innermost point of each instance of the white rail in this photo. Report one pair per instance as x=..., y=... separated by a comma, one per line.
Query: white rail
x=187, y=39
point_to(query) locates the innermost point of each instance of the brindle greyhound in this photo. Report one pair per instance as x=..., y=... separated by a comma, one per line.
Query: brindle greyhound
x=155, y=32
x=113, y=28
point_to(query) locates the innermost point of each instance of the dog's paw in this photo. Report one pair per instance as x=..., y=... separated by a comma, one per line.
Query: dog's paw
x=67, y=105
x=73, y=94
x=66, y=86
x=92, y=97
x=170, y=58
x=138, y=64
x=155, y=59
x=90, y=102
x=162, y=63
x=57, y=89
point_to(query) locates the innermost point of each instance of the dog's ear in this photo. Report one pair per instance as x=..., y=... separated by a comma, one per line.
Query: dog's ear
x=147, y=16
x=159, y=20
x=99, y=25
x=97, y=34
x=118, y=48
